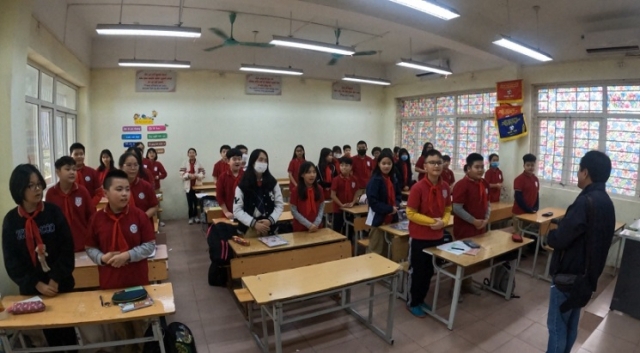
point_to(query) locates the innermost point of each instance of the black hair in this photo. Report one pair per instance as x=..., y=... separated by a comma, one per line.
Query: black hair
x=142, y=173
x=361, y=142
x=345, y=160
x=322, y=161
x=446, y=158
x=345, y=147
x=192, y=149
x=63, y=161
x=528, y=158
x=386, y=153
x=396, y=149
x=20, y=179
x=302, y=190
x=337, y=149
x=102, y=167
x=493, y=155
x=474, y=157
x=241, y=147
x=233, y=152
x=433, y=152
x=465, y=168
x=224, y=147
x=249, y=181
x=597, y=164
x=304, y=156
x=76, y=146
x=154, y=152
x=401, y=152
x=138, y=144
x=424, y=148
x=114, y=174
x=373, y=150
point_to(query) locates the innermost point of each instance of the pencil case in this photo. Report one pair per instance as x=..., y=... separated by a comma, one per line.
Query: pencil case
x=26, y=307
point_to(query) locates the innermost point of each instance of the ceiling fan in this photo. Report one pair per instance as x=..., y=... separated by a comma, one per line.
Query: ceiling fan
x=336, y=57
x=229, y=41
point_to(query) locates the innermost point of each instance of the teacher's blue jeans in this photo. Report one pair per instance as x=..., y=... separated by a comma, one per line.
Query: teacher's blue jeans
x=563, y=327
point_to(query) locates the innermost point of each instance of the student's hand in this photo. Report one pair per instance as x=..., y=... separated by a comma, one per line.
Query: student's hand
x=406, y=188
x=46, y=290
x=53, y=284
x=106, y=257
x=478, y=223
x=229, y=215
x=157, y=177
x=395, y=210
x=192, y=176
x=119, y=260
x=261, y=228
x=499, y=186
x=347, y=205
x=438, y=225
x=313, y=229
x=484, y=223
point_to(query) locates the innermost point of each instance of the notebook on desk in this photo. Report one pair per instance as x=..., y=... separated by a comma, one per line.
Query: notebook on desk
x=273, y=241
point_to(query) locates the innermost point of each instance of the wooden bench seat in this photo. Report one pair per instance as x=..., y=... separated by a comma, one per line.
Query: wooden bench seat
x=243, y=295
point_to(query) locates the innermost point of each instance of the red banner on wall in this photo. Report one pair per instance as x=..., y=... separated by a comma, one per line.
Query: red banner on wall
x=509, y=91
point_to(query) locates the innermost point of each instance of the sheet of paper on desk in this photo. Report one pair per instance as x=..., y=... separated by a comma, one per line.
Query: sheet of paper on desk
x=273, y=240
x=456, y=247
x=404, y=225
x=629, y=233
x=201, y=194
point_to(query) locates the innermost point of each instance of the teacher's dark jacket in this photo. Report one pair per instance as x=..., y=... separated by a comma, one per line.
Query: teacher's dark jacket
x=377, y=197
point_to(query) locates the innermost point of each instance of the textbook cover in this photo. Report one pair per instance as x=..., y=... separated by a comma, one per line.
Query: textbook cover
x=273, y=240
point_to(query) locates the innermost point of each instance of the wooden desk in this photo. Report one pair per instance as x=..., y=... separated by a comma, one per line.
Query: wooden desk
x=537, y=220
x=356, y=211
x=296, y=240
x=494, y=243
x=499, y=212
x=284, y=217
x=83, y=308
x=215, y=213
x=204, y=187
x=274, y=290
x=86, y=272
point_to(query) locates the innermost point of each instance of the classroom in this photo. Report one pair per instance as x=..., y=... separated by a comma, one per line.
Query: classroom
x=64, y=82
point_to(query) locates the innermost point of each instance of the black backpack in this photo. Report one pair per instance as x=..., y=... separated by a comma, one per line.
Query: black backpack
x=218, y=237
x=500, y=276
x=177, y=338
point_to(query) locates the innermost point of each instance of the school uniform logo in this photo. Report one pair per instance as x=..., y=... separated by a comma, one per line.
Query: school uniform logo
x=445, y=193
x=87, y=178
x=368, y=164
x=500, y=176
x=78, y=201
x=145, y=166
x=141, y=196
x=353, y=184
x=155, y=169
x=133, y=229
x=536, y=184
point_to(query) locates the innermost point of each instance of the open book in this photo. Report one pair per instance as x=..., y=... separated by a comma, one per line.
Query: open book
x=273, y=240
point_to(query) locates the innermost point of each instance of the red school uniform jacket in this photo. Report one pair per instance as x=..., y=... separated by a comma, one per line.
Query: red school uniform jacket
x=226, y=188
x=143, y=195
x=474, y=196
x=136, y=230
x=429, y=200
x=157, y=171
x=448, y=176
x=529, y=185
x=294, y=167
x=420, y=164
x=102, y=174
x=219, y=168
x=89, y=178
x=345, y=189
x=362, y=168
x=493, y=176
x=308, y=210
x=77, y=208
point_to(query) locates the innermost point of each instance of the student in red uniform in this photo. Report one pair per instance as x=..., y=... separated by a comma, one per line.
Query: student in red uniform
x=145, y=161
x=403, y=167
x=346, y=149
x=86, y=176
x=73, y=200
x=337, y=154
x=375, y=152
x=142, y=194
x=428, y=210
x=326, y=172
x=156, y=169
x=294, y=166
x=447, y=174
x=396, y=154
x=245, y=156
x=222, y=165
x=106, y=164
x=420, y=162
x=363, y=165
x=471, y=207
x=493, y=176
x=526, y=188
x=228, y=181
x=307, y=203
x=343, y=193
x=143, y=171
x=383, y=197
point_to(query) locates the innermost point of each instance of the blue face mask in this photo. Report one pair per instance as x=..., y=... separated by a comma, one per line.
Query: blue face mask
x=404, y=157
x=495, y=164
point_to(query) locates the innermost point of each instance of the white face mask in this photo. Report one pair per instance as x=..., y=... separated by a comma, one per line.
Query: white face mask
x=337, y=155
x=260, y=167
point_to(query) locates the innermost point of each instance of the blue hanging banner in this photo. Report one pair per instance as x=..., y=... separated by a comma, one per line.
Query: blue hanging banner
x=510, y=122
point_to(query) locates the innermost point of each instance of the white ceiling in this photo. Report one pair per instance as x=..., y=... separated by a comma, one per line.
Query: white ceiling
x=368, y=24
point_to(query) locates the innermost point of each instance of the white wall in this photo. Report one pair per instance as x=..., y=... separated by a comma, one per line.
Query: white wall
x=209, y=109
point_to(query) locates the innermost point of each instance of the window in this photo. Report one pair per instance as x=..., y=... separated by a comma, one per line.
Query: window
x=570, y=121
x=457, y=125
x=50, y=126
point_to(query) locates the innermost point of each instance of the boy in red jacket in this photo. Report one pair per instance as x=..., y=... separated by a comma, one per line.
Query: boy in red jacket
x=222, y=165
x=228, y=181
x=85, y=175
x=343, y=193
x=363, y=165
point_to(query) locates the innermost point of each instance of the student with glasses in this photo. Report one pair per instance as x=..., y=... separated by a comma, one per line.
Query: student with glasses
x=142, y=194
x=37, y=245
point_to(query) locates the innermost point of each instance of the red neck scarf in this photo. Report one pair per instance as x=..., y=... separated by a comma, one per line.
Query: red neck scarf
x=405, y=174
x=132, y=201
x=118, y=243
x=80, y=176
x=311, y=201
x=327, y=174
x=391, y=197
x=192, y=170
x=484, y=197
x=32, y=232
x=67, y=202
x=434, y=195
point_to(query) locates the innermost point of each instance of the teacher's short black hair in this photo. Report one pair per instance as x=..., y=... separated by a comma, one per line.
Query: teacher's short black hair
x=598, y=165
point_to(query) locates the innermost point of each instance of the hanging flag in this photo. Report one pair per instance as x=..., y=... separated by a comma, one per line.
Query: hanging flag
x=510, y=122
x=509, y=91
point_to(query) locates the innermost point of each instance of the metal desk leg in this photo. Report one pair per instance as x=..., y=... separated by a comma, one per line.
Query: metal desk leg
x=388, y=241
x=390, y=309
x=265, y=333
x=535, y=255
x=620, y=248
x=372, y=287
x=157, y=333
x=6, y=344
x=512, y=278
x=276, y=327
x=456, y=296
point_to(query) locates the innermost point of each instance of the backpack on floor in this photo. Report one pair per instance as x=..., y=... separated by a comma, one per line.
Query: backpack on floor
x=218, y=237
x=177, y=338
x=500, y=279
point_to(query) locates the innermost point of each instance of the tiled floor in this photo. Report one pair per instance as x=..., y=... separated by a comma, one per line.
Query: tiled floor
x=485, y=323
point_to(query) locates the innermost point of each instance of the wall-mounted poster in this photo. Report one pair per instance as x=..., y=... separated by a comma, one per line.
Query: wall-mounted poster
x=263, y=85
x=155, y=81
x=345, y=91
x=510, y=122
x=143, y=119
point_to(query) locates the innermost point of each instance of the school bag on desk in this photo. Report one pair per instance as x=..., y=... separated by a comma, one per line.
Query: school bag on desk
x=218, y=237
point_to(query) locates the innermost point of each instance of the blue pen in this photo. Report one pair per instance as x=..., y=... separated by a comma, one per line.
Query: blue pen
x=454, y=248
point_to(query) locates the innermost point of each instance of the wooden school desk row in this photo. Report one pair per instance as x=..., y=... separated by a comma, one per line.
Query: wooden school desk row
x=211, y=186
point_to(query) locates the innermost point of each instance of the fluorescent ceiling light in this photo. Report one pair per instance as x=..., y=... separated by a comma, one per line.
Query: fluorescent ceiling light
x=430, y=8
x=424, y=67
x=312, y=45
x=148, y=30
x=509, y=43
x=155, y=63
x=362, y=79
x=271, y=69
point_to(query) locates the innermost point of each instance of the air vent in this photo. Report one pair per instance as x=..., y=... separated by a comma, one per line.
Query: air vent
x=613, y=50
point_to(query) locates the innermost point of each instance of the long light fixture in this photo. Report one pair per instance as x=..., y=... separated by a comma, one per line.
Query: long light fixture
x=425, y=67
x=148, y=30
x=312, y=45
x=271, y=69
x=521, y=48
x=176, y=64
x=430, y=8
x=363, y=79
